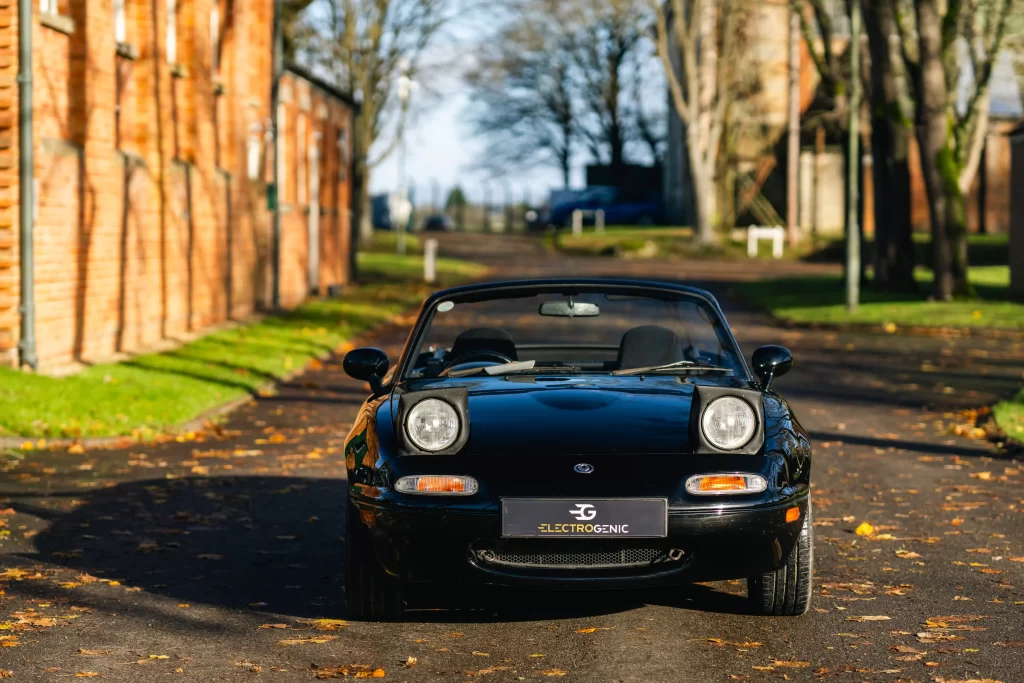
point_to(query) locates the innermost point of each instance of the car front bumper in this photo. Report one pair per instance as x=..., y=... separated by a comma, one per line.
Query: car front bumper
x=712, y=541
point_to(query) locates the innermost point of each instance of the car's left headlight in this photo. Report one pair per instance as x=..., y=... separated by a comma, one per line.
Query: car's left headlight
x=728, y=423
x=432, y=425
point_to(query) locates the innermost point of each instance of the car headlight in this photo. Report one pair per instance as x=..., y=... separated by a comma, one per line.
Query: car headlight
x=728, y=423
x=432, y=425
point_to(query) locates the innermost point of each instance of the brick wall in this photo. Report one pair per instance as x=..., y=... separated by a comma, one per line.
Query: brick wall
x=8, y=178
x=317, y=150
x=149, y=225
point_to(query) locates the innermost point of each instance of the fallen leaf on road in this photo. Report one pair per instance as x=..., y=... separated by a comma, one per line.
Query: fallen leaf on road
x=935, y=637
x=984, y=476
x=481, y=654
x=907, y=554
x=20, y=573
x=869, y=618
x=554, y=672
x=274, y=626
x=93, y=653
x=159, y=657
x=87, y=674
x=489, y=670
x=537, y=655
x=594, y=629
x=790, y=662
x=6, y=673
x=353, y=670
x=325, y=624
x=410, y=662
x=1011, y=643
x=864, y=529
x=319, y=640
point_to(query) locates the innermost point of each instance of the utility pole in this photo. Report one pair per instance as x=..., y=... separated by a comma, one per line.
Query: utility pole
x=793, y=150
x=853, y=168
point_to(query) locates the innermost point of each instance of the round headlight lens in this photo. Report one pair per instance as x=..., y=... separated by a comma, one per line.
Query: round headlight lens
x=432, y=425
x=728, y=423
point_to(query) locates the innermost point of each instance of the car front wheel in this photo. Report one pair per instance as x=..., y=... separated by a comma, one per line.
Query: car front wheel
x=787, y=591
x=370, y=592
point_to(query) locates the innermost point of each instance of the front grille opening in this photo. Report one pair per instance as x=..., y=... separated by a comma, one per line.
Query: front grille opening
x=577, y=554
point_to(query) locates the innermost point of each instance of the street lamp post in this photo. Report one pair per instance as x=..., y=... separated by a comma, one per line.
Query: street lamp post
x=853, y=170
x=405, y=87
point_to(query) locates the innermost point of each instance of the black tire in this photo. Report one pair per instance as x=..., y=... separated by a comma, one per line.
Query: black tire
x=787, y=591
x=371, y=593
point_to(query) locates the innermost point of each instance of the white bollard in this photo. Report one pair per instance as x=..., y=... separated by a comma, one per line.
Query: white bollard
x=599, y=221
x=430, y=260
x=577, y=223
x=752, y=241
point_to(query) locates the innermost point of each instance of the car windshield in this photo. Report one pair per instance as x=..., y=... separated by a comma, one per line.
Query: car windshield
x=583, y=332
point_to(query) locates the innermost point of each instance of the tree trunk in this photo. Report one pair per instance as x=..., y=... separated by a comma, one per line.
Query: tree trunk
x=938, y=163
x=701, y=182
x=890, y=146
x=365, y=207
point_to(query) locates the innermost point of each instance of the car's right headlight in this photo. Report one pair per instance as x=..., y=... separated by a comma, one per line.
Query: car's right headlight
x=432, y=425
x=728, y=423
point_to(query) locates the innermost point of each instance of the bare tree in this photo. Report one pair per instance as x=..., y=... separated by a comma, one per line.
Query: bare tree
x=366, y=45
x=523, y=100
x=696, y=41
x=564, y=76
x=951, y=34
x=605, y=44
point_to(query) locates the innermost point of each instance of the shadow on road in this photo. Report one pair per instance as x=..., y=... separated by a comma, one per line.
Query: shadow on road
x=235, y=542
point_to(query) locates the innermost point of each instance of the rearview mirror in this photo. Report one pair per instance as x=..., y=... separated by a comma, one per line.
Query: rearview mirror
x=569, y=309
x=368, y=365
x=771, y=362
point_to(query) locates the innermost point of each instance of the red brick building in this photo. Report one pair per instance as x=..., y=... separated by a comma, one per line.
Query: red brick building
x=152, y=157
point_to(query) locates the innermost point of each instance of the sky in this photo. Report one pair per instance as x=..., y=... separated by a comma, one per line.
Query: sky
x=440, y=146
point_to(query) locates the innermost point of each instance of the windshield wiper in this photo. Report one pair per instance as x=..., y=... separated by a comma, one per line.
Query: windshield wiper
x=504, y=368
x=678, y=366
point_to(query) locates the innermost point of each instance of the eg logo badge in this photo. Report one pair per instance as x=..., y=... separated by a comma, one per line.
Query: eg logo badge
x=584, y=512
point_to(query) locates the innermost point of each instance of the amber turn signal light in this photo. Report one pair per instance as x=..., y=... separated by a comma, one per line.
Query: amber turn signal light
x=437, y=484
x=792, y=514
x=724, y=484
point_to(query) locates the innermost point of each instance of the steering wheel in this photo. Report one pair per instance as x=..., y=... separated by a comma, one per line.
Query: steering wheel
x=480, y=355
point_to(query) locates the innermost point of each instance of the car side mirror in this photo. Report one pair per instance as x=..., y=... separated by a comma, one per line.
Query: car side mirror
x=367, y=364
x=771, y=362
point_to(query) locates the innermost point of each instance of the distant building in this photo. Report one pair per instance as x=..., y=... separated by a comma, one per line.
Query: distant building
x=762, y=132
x=152, y=162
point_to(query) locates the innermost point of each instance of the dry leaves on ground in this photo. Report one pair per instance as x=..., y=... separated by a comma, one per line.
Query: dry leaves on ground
x=319, y=640
x=352, y=670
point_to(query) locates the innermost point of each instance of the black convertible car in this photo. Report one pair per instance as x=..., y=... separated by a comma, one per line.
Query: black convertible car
x=575, y=434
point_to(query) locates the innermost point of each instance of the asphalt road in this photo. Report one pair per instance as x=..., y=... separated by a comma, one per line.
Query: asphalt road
x=218, y=557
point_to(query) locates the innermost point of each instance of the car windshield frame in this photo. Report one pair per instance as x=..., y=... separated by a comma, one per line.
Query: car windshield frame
x=520, y=289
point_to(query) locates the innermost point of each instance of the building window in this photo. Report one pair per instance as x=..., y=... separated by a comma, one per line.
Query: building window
x=49, y=6
x=172, y=31
x=120, y=22
x=215, y=37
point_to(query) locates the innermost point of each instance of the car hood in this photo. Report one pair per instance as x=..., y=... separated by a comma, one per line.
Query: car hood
x=528, y=415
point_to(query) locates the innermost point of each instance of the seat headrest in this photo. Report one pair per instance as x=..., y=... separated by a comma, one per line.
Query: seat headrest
x=484, y=338
x=649, y=345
